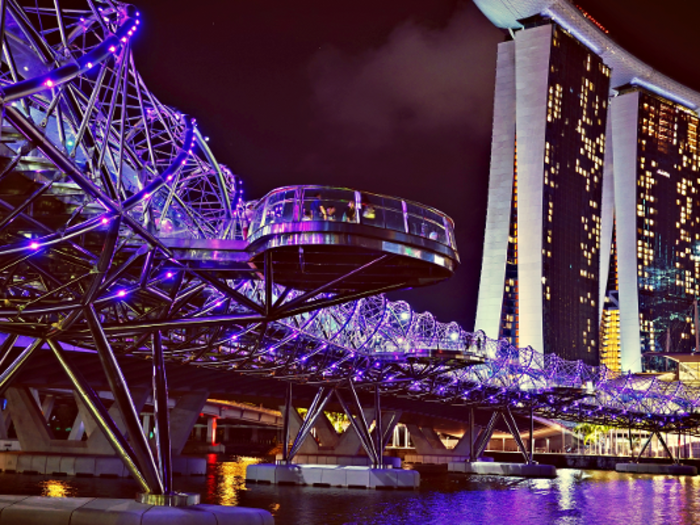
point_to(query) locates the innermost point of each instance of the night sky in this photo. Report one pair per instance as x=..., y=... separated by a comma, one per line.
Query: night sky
x=387, y=96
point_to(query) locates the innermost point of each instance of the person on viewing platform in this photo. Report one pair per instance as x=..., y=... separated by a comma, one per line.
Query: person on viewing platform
x=317, y=209
x=368, y=211
x=308, y=215
x=330, y=213
x=247, y=219
x=350, y=213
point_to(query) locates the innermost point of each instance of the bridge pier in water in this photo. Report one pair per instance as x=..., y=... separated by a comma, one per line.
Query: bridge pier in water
x=673, y=469
x=335, y=460
x=475, y=465
x=83, y=449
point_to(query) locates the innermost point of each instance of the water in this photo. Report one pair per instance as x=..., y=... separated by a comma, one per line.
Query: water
x=574, y=498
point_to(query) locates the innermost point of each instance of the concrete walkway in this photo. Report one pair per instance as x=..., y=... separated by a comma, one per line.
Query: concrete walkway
x=37, y=510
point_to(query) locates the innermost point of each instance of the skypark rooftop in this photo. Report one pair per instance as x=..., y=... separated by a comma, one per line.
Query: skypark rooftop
x=626, y=68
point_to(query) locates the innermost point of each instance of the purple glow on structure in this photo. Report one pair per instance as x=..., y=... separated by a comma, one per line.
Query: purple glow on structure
x=34, y=245
x=169, y=275
x=121, y=293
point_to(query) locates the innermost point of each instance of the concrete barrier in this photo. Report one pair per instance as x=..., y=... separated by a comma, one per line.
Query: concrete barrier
x=67, y=465
x=53, y=465
x=655, y=468
x=329, y=459
x=85, y=465
x=492, y=468
x=10, y=462
x=437, y=459
x=107, y=467
x=35, y=510
x=333, y=476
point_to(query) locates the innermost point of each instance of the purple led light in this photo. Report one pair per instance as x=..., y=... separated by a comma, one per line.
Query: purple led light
x=49, y=83
x=121, y=293
x=169, y=275
x=34, y=245
x=112, y=49
x=104, y=220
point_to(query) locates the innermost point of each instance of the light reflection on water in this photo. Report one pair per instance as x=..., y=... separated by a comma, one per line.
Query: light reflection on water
x=229, y=480
x=54, y=488
x=574, y=498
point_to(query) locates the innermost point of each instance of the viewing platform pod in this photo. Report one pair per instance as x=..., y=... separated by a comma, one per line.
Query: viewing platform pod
x=345, y=240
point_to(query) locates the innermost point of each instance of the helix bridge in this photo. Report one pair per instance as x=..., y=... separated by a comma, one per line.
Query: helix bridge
x=122, y=235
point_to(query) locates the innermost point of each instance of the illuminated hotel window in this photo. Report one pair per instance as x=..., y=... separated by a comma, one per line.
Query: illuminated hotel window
x=574, y=143
x=668, y=250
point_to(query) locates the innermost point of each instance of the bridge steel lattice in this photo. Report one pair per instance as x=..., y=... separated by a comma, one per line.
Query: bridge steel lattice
x=122, y=235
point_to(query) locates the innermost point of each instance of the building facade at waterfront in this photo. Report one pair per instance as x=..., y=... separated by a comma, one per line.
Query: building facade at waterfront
x=592, y=243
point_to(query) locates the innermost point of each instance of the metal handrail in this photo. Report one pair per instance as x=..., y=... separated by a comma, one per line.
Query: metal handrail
x=371, y=209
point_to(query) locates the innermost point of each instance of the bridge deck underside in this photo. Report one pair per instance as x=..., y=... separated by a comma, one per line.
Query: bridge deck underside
x=311, y=266
x=42, y=372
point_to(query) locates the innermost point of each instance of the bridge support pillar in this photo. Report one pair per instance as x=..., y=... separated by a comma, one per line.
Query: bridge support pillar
x=183, y=418
x=211, y=430
x=5, y=422
x=329, y=447
x=97, y=442
x=32, y=432
x=430, y=449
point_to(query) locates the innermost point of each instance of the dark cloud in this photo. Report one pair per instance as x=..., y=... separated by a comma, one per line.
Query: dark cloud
x=422, y=80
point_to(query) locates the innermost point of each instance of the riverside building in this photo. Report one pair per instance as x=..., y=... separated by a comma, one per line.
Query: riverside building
x=592, y=242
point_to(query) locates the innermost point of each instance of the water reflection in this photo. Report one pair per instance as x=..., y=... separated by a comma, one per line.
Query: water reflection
x=54, y=488
x=575, y=497
x=228, y=480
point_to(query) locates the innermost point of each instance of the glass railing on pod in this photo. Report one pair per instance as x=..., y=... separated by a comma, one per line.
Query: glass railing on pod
x=298, y=204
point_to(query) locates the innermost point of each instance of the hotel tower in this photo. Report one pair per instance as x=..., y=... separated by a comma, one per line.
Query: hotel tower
x=592, y=242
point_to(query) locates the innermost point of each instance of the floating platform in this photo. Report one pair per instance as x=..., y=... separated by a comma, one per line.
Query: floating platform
x=346, y=460
x=333, y=476
x=492, y=468
x=37, y=510
x=657, y=468
x=87, y=466
x=439, y=459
